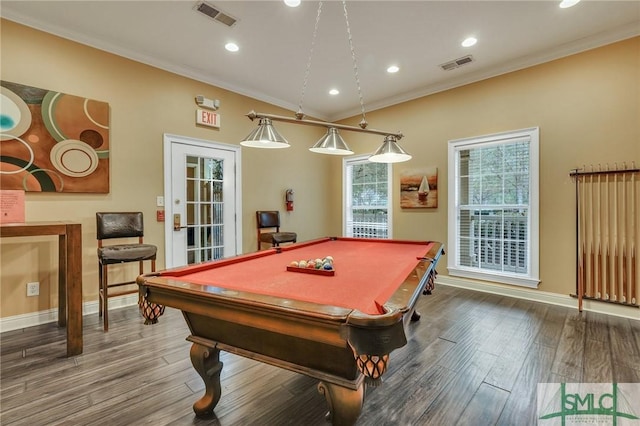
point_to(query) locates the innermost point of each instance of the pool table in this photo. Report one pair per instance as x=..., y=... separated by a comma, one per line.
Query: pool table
x=339, y=328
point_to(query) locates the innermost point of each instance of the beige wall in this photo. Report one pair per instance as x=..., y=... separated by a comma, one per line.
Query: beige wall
x=587, y=107
x=145, y=103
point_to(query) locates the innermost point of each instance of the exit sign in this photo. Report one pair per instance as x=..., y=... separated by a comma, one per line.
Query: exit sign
x=207, y=118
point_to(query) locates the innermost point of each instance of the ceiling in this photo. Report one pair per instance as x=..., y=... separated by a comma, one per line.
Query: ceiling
x=275, y=43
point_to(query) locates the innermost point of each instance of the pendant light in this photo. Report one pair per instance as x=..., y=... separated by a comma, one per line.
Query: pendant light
x=390, y=152
x=331, y=143
x=266, y=136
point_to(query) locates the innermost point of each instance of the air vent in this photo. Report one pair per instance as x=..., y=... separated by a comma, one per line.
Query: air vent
x=214, y=13
x=457, y=63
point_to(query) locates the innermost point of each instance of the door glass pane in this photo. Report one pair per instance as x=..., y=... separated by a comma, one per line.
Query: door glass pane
x=204, y=209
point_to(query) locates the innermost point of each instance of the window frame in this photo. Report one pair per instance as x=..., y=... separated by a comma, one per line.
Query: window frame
x=532, y=278
x=347, y=191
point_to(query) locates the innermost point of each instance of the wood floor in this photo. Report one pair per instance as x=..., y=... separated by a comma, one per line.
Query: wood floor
x=473, y=359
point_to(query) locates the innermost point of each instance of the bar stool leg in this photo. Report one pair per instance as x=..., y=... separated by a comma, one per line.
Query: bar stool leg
x=100, y=289
x=105, y=295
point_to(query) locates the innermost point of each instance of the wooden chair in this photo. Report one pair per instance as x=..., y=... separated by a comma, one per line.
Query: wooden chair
x=121, y=226
x=271, y=220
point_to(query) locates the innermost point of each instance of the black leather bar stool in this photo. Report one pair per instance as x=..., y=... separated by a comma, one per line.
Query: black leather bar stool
x=121, y=226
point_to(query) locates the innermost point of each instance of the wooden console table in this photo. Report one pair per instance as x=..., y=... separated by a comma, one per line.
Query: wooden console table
x=69, y=272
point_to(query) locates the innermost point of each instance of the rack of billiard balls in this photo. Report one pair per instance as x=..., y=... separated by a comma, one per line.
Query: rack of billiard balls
x=317, y=266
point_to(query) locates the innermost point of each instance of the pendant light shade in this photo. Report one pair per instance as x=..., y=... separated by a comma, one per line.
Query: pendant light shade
x=265, y=136
x=390, y=152
x=331, y=143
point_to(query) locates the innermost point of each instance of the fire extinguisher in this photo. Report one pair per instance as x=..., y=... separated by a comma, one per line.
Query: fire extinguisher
x=288, y=197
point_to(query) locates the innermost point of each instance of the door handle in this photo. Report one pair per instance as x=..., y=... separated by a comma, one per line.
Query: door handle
x=176, y=222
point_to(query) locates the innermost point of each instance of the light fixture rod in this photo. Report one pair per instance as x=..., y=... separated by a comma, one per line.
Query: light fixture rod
x=253, y=115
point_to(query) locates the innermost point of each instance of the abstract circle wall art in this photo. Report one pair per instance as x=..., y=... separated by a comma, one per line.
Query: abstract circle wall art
x=52, y=141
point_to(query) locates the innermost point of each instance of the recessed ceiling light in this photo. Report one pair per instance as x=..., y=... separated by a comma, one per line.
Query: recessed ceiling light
x=292, y=3
x=334, y=91
x=393, y=68
x=231, y=47
x=469, y=41
x=568, y=3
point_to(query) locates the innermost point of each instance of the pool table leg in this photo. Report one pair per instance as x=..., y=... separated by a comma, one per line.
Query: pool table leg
x=206, y=362
x=345, y=405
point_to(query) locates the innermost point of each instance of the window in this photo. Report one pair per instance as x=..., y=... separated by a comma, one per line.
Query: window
x=367, y=198
x=493, y=207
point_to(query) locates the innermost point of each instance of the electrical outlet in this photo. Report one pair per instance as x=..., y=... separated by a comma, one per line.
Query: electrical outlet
x=33, y=289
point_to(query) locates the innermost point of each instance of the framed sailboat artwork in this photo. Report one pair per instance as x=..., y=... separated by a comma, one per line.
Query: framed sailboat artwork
x=419, y=188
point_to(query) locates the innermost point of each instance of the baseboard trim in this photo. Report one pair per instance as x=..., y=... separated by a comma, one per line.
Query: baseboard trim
x=31, y=319
x=542, y=296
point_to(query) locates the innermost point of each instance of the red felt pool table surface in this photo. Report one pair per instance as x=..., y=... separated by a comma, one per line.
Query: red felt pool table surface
x=367, y=272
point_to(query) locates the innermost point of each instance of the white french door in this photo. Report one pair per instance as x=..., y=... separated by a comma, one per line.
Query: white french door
x=202, y=200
